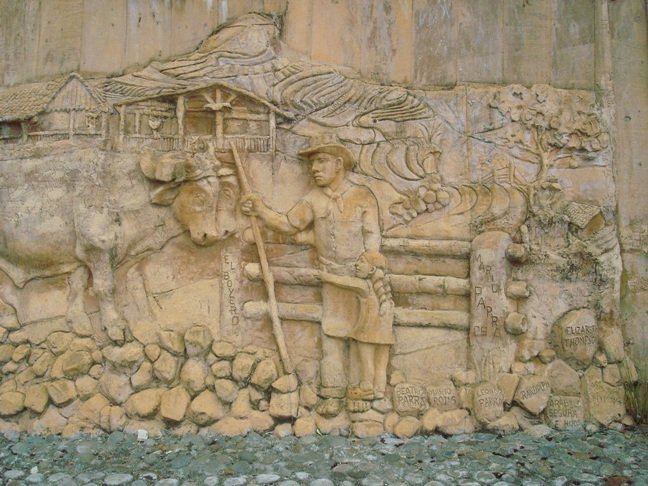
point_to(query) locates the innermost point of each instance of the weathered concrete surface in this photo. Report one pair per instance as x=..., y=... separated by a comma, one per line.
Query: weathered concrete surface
x=629, y=46
x=426, y=42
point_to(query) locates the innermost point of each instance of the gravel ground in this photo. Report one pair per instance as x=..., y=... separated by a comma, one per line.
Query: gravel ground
x=559, y=458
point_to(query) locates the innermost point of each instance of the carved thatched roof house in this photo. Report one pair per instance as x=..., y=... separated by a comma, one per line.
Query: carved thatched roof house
x=177, y=121
x=52, y=110
x=245, y=60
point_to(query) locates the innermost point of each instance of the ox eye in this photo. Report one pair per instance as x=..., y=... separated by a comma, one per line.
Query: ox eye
x=198, y=200
x=228, y=193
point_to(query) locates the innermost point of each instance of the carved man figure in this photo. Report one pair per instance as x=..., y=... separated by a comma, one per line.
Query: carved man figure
x=357, y=304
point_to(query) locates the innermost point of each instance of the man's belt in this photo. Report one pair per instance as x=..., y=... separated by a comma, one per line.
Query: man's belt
x=356, y=284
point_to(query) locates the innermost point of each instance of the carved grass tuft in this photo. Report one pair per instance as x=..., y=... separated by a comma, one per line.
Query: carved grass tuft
x=636, y=398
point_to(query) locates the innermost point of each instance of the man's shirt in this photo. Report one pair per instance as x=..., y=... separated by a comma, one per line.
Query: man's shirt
x=346, y=222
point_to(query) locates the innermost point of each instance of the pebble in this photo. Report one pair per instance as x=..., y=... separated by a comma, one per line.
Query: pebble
x=87, y=478
x=35, y=478
x=415, y=479
x=239, y=481
x=60, y=478
x=117, y=479
x=267, y=478
x=322, y=482
x=14, y=474
x=556, y=459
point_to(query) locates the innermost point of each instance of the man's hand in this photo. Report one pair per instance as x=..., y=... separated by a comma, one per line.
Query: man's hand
x=251, y=204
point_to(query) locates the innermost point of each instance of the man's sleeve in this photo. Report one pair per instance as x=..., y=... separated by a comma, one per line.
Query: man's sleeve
x=371, y=224
x=301, y=215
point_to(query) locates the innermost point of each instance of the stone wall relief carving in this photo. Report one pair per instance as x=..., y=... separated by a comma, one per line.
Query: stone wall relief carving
x=439, y=260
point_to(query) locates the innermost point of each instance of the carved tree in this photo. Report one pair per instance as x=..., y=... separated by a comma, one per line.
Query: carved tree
x=542, y=125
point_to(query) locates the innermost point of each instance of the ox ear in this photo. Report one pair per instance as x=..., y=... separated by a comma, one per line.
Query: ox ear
x=147, y=163
x=165, y=194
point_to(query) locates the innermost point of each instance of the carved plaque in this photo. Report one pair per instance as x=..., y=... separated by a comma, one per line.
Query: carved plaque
x=564, y=412
x=533, y=393
x=410, y=399
x=443, y=397
x=230, y=296
x=605, y=403
x=488, y=402
x=575, y=337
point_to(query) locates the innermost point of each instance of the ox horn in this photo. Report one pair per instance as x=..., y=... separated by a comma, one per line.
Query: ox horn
x=199, y=165
x=164, y=167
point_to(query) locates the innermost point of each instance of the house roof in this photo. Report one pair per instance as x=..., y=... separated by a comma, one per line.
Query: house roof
x=27, y=100
x=581, y=214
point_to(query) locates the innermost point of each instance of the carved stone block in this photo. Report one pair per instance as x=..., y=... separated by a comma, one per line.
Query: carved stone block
x=443, y=397
x=575, y=337
x=563, y=412
x=488, y=402
x=410, y=399
x=605, y=403
x=533, y=393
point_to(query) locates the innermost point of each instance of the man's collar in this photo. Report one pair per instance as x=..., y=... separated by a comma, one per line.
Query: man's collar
x=336, y=196
x=344, y=186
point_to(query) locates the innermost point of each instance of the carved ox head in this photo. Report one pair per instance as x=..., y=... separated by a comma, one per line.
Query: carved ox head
x=202, y=193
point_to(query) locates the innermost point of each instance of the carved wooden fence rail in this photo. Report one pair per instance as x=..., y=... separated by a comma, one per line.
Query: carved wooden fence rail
x=429, y=279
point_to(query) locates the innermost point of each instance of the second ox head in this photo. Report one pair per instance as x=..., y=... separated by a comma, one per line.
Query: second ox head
x=201, y=192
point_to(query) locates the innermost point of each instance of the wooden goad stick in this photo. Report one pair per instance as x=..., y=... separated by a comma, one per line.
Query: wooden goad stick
x=268, y=278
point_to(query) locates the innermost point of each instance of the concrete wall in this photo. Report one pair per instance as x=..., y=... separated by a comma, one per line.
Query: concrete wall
x=424, y=42
x=629, y=49
x=592, y=44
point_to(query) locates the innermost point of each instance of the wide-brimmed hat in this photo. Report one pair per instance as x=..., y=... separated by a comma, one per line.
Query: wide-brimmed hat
x=329, y=144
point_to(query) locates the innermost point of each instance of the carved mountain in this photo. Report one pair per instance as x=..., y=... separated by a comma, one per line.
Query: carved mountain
x=247, y=56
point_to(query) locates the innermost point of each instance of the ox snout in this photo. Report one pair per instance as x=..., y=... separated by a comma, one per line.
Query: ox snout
x=226, y=224
x=210, y=228
x=204, y=238
x=224, y=234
